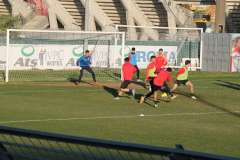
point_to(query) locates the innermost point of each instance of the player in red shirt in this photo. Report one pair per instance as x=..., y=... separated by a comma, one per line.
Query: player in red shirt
x=161, y=60
x=128, y=70
x=151, y=71
x=160, y=83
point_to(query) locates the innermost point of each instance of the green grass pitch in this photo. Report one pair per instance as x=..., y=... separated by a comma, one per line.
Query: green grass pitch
x=210, y=124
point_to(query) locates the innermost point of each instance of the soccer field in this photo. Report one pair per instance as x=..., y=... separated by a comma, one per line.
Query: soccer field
x=209, y=124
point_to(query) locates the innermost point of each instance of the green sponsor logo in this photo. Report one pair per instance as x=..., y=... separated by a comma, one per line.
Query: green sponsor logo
x=77, y=51
x=27, y=50
x=126, y=51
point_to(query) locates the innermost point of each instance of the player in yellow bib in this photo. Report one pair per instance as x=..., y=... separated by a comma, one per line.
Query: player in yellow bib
x=182, y=79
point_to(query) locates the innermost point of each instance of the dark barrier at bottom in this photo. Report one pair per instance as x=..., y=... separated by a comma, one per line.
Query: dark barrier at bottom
x=22, y=144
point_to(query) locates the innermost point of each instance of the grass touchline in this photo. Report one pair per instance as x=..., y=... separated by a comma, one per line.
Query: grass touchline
x=117, y=117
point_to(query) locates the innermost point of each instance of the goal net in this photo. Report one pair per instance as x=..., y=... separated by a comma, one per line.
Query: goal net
x=44, y=55
x=178, y=44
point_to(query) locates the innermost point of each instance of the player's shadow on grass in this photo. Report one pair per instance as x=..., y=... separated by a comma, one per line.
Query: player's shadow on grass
x=228, y=84
x=139, y=83
x=110, y=90
x=114, y=92
x=210, y=104
x=73, y=80
x=76, y=81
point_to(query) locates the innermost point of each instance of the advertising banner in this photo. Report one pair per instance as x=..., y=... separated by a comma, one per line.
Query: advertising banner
x=58, y=57
x=235, y=53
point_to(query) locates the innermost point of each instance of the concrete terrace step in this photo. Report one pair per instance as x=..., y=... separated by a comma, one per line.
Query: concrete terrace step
x=233, y=15
x=76, y=10
x=195, y=1
x=154, y=11
x=114, y=10
x=5, y=8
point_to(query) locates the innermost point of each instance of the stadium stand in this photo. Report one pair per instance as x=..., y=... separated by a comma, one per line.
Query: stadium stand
x=57, y=13
x=233, y=15
x=76, y=10
x=232, y=11
x=154, y=11
x=71, y=13
x=5, y=8
x=114, y=10
x=195, y=1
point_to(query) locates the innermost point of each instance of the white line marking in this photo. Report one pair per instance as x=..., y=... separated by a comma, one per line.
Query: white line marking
x=117, y=117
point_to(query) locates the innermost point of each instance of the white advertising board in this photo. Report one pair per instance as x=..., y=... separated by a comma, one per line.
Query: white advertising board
x=22, y=57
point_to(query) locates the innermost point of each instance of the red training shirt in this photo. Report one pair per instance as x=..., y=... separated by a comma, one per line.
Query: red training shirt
x=162, y=77
x=161, y=62
x=128, y=71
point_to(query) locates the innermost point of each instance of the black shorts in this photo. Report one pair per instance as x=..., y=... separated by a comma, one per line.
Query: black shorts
x=163, y=88
x=181, y=82
x=125, y=84
x=157, y=88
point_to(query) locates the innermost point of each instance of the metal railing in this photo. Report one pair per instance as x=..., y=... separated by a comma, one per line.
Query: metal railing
x=18, y=144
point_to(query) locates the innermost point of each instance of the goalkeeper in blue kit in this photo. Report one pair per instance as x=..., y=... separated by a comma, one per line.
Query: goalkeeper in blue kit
x=85, y=64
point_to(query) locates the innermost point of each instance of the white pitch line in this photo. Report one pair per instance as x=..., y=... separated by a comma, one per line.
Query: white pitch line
x=117, y=117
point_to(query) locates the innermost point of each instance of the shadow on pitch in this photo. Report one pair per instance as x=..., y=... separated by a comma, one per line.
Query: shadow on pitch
x=210, y=104
x=228, y=84
x=73, y=80
x=76, y=81
x=140, y=83
x=114, y=92
x=110, y=90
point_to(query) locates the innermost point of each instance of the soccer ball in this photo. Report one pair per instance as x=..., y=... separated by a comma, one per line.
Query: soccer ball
x=164, y=94
x=141, y=115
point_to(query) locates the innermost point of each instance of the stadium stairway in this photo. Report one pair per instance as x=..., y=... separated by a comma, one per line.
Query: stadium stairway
x=154, y=11
x=5, y=8
x=233, y=16
x=205, y=2
x=135, y=16
x=98, y=19
x=76, y=10
x=58, y=12
x=114, y=10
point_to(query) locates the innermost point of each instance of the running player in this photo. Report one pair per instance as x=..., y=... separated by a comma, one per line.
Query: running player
x=160, y=83
x=161, y=60
x=133, y=61
x=128, y=71
x=151, y=71
x=182, y=79
x=85, y=64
